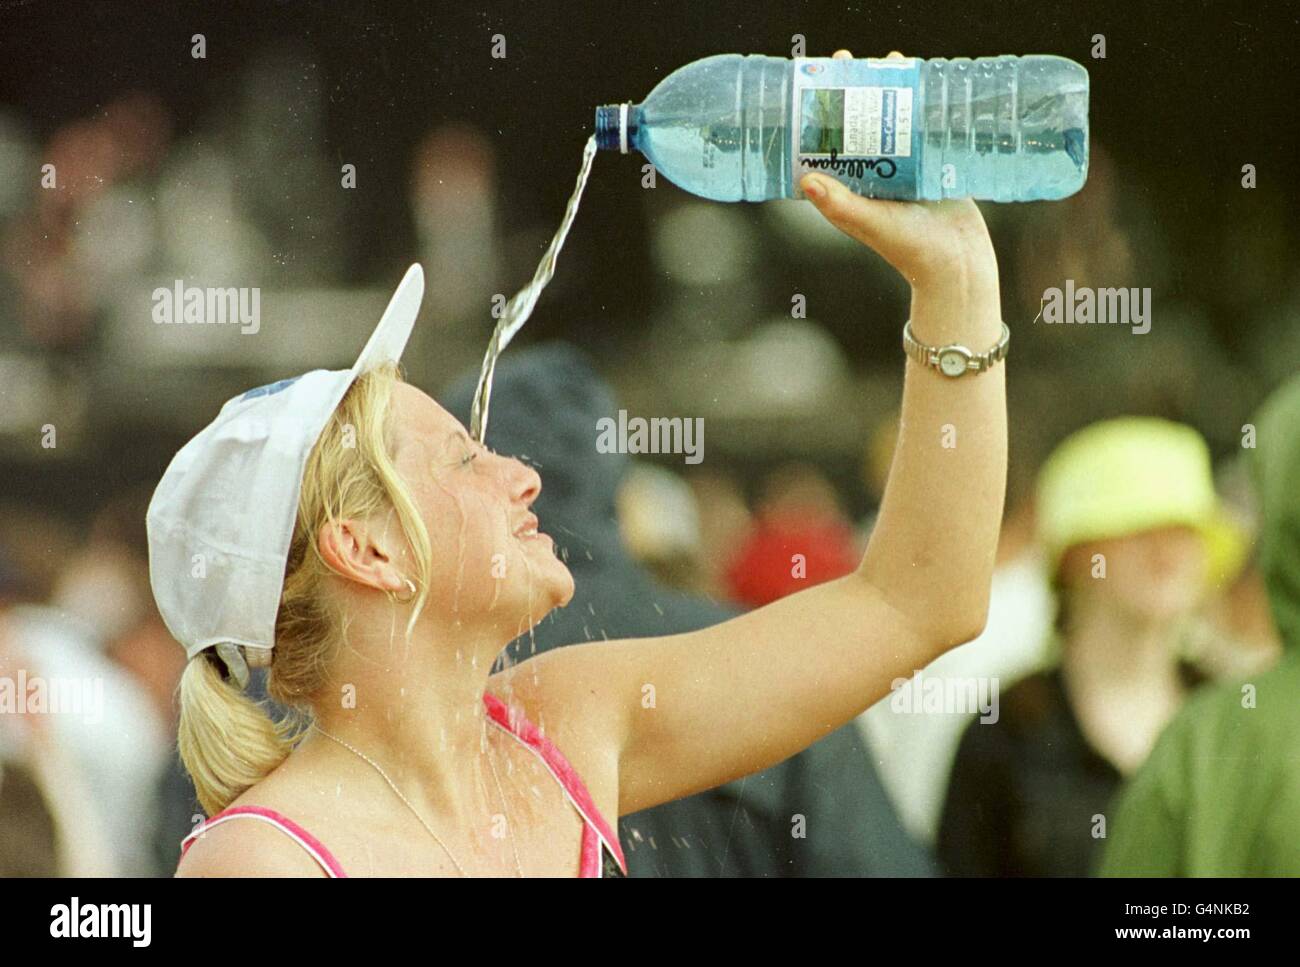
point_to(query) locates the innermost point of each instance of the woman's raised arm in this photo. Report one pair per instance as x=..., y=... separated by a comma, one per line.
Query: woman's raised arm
x=688, y=712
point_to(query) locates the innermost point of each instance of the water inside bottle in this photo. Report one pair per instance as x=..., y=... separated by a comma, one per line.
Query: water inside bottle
x=520, y=307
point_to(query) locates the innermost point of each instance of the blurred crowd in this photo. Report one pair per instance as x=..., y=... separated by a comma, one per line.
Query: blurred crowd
x=1130, y=579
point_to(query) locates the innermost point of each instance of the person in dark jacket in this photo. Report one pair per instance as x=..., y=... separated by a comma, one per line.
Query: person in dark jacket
x=822, y=812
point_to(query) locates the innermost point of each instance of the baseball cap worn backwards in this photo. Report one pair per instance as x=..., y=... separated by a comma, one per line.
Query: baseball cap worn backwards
x=222, y=517
x=1132, y=474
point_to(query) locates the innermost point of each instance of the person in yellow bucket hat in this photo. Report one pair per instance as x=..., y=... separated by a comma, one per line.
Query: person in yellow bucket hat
x=1135, y=538
x=1130, y=475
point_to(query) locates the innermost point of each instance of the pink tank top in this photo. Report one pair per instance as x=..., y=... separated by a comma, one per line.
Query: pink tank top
x=601, y=854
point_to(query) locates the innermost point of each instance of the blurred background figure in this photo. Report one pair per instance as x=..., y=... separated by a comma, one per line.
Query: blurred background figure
x=801, y=537
x=454, y=196
x=1235, y=635
x=28, y=838
x=660, y=525
x=93, y=621
x=52, y=820
x=105, y=589
x=545, y=406
x=725, y=522
x=1134, y=537
x=1220, y=795
x=915, y=752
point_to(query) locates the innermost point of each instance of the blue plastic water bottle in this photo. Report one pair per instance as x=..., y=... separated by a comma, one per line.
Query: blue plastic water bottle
x=747, y=128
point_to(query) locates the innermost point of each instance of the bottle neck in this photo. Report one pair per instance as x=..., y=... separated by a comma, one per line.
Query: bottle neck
x=617, y=126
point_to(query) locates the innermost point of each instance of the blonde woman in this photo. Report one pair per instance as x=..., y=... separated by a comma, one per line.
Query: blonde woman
x=344, y=529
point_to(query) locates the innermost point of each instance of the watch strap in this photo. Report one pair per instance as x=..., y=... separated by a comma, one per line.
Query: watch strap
x=946, y=358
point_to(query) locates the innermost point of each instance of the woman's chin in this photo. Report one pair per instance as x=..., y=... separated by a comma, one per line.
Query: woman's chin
x=568, y=588
x=552, y=587
x=560, y=585
x=556, y=591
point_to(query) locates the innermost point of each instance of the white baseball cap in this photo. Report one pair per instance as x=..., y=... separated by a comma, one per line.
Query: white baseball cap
x=222, y=517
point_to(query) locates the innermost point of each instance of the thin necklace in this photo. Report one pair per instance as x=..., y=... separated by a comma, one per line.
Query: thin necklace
x=505, y=811
x=429, y=829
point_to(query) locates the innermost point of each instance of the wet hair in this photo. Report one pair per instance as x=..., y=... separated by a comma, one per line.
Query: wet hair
x=229, y=742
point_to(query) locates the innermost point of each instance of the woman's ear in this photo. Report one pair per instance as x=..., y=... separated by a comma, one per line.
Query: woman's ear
x=348, y=548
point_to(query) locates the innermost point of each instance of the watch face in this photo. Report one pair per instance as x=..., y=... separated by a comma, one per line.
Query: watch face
x=952, y=362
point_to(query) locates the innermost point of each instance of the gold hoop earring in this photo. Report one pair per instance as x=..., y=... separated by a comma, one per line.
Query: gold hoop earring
x=411, y=589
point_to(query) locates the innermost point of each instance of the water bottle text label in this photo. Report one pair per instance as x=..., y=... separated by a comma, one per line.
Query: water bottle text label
x=854, y=118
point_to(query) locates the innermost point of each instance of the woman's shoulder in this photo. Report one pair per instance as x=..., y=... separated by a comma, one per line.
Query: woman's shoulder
x=538, y=692
x=261, y=833
x=241, y=845
x=540, y=702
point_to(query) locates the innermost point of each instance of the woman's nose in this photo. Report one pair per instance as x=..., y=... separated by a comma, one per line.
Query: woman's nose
x=525, y=482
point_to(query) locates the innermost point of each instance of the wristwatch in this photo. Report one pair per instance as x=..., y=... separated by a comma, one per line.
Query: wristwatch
x=955, y=360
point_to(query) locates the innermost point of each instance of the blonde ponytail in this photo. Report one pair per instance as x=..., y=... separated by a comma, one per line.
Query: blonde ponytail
x=227, y=741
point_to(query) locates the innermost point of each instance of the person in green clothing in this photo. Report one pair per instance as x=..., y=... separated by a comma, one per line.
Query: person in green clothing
x=1220, y=794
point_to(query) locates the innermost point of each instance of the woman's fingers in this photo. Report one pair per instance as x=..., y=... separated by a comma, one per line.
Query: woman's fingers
x=918, y=239
x=852, y=214
x=842, y=53
x=844, y=209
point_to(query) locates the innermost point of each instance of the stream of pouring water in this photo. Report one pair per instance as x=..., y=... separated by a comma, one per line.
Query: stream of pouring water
x=519, y=308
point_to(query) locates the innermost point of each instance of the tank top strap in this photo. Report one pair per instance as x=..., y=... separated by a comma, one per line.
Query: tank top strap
x=314, y=847
x=597, y=831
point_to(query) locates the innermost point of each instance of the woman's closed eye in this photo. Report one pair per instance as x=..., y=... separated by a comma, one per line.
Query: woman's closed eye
x=463, y=461
x=470, y=450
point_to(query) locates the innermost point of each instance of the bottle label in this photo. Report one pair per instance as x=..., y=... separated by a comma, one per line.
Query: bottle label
x=853, y=120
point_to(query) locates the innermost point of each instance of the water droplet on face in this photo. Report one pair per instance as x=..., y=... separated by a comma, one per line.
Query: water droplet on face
x=527, y=617
x=459, y=501
x=499, y=579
